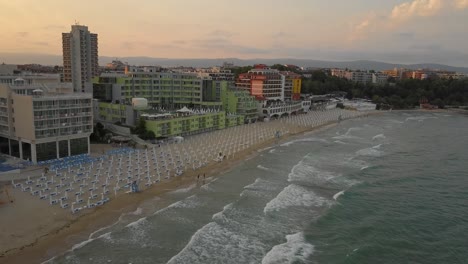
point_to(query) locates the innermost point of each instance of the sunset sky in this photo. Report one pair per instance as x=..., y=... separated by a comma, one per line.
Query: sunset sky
x=389, y=30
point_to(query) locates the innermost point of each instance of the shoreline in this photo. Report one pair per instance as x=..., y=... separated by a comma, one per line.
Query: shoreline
x=78, y=230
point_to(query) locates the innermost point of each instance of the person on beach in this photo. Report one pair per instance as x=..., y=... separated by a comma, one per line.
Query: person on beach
x=198, y=178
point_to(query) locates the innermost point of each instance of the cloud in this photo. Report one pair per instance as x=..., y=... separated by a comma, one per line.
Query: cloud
x=416, y=8
x=401, y=14
x=461, y=4
x=222, y=33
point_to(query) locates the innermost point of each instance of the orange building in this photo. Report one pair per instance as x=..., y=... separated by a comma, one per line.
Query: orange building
x=262, y=82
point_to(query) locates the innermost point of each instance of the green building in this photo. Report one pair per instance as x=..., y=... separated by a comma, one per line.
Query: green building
x=212, y=104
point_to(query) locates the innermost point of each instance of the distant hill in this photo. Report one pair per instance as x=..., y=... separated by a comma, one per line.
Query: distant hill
x=46, y=59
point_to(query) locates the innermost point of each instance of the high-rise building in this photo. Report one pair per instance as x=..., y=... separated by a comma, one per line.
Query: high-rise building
x=80, y=58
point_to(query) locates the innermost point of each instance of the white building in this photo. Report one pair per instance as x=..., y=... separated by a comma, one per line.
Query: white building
x=80, y=58
x=379, y=78
x=359, y=76
x=39, y=123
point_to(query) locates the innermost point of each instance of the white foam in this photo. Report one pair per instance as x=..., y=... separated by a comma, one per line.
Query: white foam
x=84, y=243
x=365, y=167
x=259, y=187
x=338, y=194
x=340, y=142
x=136, y=223
x=420, y=118
x=261, y=150
x=396, y=121
x=138, y=211
x=272, y=151
x=370, y=152
x=296, y=249
x=303, y=172
x=294, y=196
x=189, y=202
x=214, y=243
x=184, y=190
x=303, y=140
x=379, y=136
x=220, y=215
x=263, y=168
x=348, y=135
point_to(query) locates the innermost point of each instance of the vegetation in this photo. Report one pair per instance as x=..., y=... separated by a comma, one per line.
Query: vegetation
x=100, y=134
x=141, y=130
x=240, y=70
x=402, y=94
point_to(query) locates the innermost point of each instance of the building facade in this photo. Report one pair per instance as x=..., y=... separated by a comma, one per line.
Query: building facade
x=38, y=123
x=80, y=58
x=379, y=78
x=291, y=85
x=262, y=82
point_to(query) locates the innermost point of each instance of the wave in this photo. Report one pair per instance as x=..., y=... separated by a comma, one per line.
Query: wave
x=379, y=136
x=258, y=187
x=304, y=140
x=340, y=142
x=370, y=152
x=263, y=168
x=214, y=243
x=220, y=215
x=296, y=249
x=348, y=135
x=294, y=196
x=184, y=190
x=306, y=173
x=138, y=222
x=396, y=121
x=338, y=194
x=272, y=151
x=420, y=118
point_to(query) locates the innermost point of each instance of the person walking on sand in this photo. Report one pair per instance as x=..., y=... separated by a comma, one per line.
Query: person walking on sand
x=198, y=178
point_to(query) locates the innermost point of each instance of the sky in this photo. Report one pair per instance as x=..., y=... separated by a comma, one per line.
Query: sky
x=395, y=31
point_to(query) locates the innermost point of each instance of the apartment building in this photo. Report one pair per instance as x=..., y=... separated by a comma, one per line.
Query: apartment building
x=262, y=82
x=291, y=83
x=161, y=89
x=30, y=79
x=80, y=58
x=38, y=122
x=379, y=78
x=359, y=76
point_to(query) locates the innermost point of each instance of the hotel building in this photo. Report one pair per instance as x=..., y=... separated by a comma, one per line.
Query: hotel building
x=41, y=122
x=80, y=58
x=262, y=82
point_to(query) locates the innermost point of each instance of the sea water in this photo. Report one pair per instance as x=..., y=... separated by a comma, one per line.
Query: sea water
x=391, y=188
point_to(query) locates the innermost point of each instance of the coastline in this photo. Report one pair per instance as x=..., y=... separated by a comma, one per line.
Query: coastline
x=79, y=229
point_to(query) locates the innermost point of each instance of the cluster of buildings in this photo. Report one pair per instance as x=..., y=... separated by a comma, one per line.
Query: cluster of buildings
x=48, y=112
x=422, y=74
x=364, y=77
x=381, y=78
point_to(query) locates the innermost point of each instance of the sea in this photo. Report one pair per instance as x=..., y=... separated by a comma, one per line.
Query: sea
x=389, y=188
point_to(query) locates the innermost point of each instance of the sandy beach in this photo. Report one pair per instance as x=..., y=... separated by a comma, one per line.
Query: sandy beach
x=33, y=232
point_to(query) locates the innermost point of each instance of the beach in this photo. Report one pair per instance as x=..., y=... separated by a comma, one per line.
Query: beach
x=35, y=231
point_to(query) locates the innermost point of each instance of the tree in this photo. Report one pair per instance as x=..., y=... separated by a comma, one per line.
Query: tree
x=98, y=133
